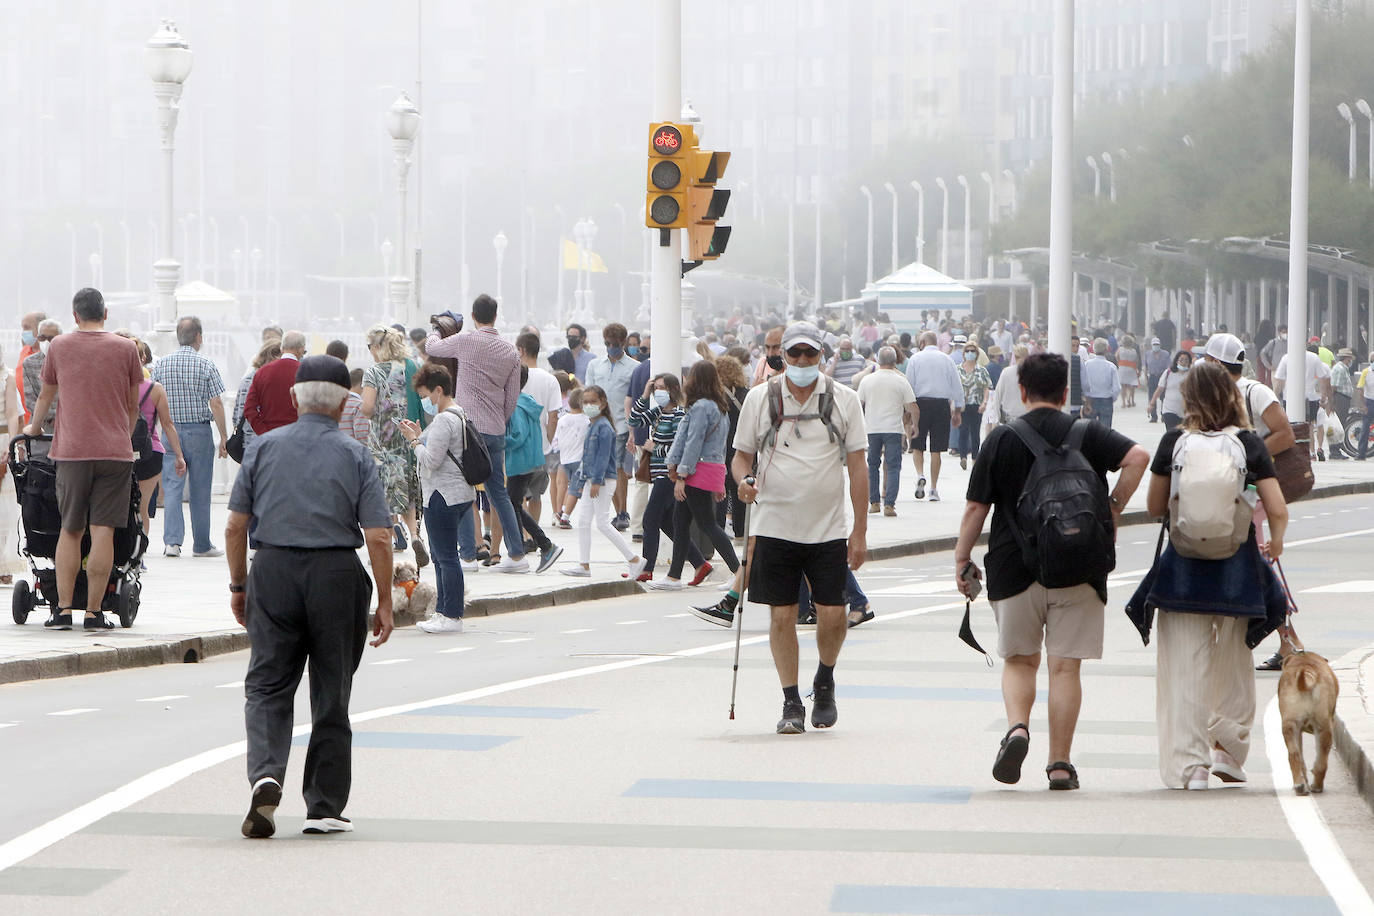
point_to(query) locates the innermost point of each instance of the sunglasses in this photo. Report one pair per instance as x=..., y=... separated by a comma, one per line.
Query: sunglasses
x=799, y=352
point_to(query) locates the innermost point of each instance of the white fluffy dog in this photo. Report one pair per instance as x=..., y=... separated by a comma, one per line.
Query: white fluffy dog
x=409, y=594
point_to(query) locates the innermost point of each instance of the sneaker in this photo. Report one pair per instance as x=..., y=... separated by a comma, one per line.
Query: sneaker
x=874, y=508
x=507, y=565
x=889, y=511
x=806, y=617
x=530, y=545
x=621, y=521
x=421, y=554
x=439, y=623
x=98, y=622
x=260, y=822
x=1321, y=455
x=667, y=585
x=703, y=571
x=548, y=556
x=59, y=621
x=399, y=531
x=635, y=567
x=212, y=552
x=563, y=521
x=1272, y=663
x=1227, y=768
x=315, y=825
x=637, y=538
x=793, y=721
x=963, y=462
x=171, y=550
x=580, y=572
x=1197, y=779
x=920, y=488
x=934, y=495
x=823, y=711
x=470, y=566
x=717, y=614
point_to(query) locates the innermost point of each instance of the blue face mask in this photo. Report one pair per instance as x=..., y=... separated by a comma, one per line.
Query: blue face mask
x=27, y=337
x=662, y=398
x=615, y=352
x=429, y=406
x=802, y=376
x=632, y=352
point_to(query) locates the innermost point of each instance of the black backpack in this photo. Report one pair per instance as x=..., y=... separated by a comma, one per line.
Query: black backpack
x=1063, y=515
x=142, y=438
x=475, y=464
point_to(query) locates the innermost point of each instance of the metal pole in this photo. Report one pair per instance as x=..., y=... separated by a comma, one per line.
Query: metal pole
x=992, y=221
x=920, y=222
x=791, y=258
x=896, y=261
x=1061, y=181
x=666, y=322
x=1297, y=227
x=868, y=270
x=968, y=227
x=820, y=299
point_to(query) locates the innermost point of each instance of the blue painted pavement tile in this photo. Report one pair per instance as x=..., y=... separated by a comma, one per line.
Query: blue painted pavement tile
x=503, y=712
x=422, y=741
x=742, y=790
x=955, y=694
x=988, y=901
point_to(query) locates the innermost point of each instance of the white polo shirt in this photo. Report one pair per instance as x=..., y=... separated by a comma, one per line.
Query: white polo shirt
x=1313, y=371
x=884, y=395
x=802, y=483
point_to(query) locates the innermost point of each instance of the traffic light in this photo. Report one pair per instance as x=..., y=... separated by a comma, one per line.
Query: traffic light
x=706, y=204
x=670, y=149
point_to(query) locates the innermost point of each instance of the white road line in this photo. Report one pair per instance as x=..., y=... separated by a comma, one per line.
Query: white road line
x=8, y=724
x=575, y=632
x=59, y=828
x=170, y=696
x=1329, y=537
x=517, y=639
x=80, y=710
x=1305, y=820
x=393, y=661
x=671, y=616
x=628, y=623
x=456, y=650
x=231, y=685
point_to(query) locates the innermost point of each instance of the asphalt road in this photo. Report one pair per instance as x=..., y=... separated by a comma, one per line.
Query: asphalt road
x=581, y=759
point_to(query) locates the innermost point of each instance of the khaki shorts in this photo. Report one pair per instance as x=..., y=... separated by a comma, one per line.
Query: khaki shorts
x=94, y=492
x=1067, y=621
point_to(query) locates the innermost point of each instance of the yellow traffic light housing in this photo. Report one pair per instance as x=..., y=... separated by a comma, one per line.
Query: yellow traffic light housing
x=706, y=204
x=670, y=162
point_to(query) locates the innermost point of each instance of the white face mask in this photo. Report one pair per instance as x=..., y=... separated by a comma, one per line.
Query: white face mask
x=43, y=346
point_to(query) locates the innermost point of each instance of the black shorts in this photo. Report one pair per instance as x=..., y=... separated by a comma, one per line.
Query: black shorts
x=1312, y=410
x=933, y=423
x=148, y=468
x=777, y=567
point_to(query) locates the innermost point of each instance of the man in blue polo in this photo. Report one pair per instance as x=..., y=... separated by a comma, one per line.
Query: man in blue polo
x=1101, y=385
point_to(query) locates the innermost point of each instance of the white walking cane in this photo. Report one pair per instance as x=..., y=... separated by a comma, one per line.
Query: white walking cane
x=739, y=609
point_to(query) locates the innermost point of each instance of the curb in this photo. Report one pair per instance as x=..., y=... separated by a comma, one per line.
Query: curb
x=1354, y=726
x=190, y=649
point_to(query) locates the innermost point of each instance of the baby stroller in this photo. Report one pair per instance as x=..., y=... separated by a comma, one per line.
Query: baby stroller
x=35, y=487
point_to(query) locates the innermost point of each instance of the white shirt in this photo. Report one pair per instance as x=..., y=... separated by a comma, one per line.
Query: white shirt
x=801, y=479
x=543, y=387
x=1313, y=371
x=1007, y=395
x=1258, y=397
x=1004, y=340
x=570, y=436
x=932, y=375
x=884, y=396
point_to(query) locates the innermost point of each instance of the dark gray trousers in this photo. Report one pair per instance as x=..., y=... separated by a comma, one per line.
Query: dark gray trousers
x=305, y=606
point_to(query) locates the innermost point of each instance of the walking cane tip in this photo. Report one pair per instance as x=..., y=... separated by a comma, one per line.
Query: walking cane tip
x=732, y=715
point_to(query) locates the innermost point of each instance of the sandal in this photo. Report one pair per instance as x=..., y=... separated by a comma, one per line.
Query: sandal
x=1012, y=752
x=1070, y=783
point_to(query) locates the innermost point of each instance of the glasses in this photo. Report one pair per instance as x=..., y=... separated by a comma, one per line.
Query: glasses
x=800, y=352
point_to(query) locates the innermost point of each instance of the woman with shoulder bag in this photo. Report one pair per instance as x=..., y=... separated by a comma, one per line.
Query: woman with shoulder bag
x=1170, y=390
x=1211, y=612
x=660, y=411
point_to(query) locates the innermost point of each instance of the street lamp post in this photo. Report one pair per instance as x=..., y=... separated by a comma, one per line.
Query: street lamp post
x=402, y=122
x=1348, y=117
x=1010, y=176
x=868, y=271
x=1097, y=177
x=167, y=60
x=944, y=225
x=968, y=225
x=1363, y=108
x=896, y=262
x=1111, y=176
x=992, y=218
x=920, y=222
x=499, y=243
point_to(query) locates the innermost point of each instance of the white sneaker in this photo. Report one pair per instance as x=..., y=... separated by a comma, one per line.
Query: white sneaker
x=1197, y=779
x=934, y=495
x=635, y=567
x=507, y=565
x=1227, y=768
x=172, y=550
x=578, y=571
x=666, y=585
x=471, y=566
x=327, y=825
x=438, y=623
x=212, y=552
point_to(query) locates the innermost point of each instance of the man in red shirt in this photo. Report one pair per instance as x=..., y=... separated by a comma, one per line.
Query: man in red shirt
x=269, y=404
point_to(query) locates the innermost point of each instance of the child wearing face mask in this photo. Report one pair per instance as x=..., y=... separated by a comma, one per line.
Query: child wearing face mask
x=568, y=439
x=598, y=464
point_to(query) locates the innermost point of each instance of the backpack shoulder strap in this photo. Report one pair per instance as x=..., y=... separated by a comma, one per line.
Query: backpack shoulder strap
x=1032, y=439
x=146, y=391
x=1077, y=433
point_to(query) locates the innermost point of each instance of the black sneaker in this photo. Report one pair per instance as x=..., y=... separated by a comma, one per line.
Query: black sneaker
x=823, y=711
x=1272, y=663
x=718, y=614
x=260, y=821
x=98, y=622
x=622, y=521
x=793, y=721
x=59, y=621
x=399, y=543
x=806, y=617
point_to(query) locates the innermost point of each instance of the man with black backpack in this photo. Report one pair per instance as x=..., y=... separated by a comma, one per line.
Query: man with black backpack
x=1051, y=548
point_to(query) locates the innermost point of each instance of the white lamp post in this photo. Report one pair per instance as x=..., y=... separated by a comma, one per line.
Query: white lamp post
x=992, y=218
x=499, y=243
x=402, y=122
x=868, y=272
x=1111, y=176
x=1348, y=117
x=920, y=222
x=1010, y=176
x=1097, y=177
x=944, y=225
x=1363, y=108
x=968, y=225
x=167, y=60
x=895, y=257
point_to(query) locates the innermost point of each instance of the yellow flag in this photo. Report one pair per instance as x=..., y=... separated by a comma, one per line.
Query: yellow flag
x=590, y=260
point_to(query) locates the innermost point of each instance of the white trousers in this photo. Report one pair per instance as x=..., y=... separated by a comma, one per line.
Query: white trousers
x=596, y=510
x=1204, y=692
x=10, y=562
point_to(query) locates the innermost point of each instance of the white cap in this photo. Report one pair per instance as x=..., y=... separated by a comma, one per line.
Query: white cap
x=1226, y=348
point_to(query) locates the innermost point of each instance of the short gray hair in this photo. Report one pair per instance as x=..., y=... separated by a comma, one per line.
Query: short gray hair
x=1100, y=346
x=188, y=329
x=49, y=325
x=926, y=339
x=887, y=356
x=293, y=340
x=318, y=397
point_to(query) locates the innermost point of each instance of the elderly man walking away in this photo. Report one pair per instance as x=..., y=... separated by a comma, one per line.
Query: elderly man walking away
x=1101, y=385
x=890, y=409
x=306, y=597
x=488, y=388
x=940, y=402
x=797, y=436
x=193, y=386
x=1066, y=620
x=269, y=403
x=98, y=374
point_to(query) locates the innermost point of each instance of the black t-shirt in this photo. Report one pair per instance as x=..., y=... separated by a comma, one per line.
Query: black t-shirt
x=1258, y=464
x=998, y=476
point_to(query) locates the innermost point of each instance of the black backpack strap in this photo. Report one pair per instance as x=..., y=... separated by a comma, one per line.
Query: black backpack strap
x=1077, y=432
x=147, y=391
x=1032, y=439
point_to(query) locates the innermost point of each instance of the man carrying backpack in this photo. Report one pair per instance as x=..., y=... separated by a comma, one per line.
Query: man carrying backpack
x=1049, y=553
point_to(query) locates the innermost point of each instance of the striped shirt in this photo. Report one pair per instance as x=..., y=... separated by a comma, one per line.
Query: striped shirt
x=663, y=425
x=191, y=381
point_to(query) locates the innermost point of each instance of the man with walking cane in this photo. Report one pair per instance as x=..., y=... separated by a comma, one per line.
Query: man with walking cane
x=797, y=435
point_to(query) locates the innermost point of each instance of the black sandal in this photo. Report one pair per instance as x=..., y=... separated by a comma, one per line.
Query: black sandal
x=1010, y=755
x=1070, y=783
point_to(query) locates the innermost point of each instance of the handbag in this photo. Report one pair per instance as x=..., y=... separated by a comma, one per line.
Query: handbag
x=234, y=444
x=1293, y=466
x=642, y=473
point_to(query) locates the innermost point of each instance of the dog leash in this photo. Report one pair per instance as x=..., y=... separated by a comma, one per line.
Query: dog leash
x=1289, y=609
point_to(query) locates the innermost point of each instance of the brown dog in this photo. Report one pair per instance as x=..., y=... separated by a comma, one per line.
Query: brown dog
x=1307, y=702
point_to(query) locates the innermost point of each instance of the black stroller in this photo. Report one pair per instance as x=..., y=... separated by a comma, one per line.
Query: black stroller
x=35, y=487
